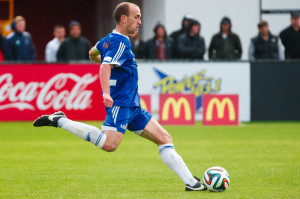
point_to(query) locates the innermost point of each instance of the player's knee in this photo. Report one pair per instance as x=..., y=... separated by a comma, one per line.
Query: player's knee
x=165, y=138
x=110, y=147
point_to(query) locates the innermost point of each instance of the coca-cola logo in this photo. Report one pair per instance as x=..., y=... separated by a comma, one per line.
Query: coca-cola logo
x=46, y=95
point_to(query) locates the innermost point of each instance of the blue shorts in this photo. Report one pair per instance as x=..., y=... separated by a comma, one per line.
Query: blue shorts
x=121, y=118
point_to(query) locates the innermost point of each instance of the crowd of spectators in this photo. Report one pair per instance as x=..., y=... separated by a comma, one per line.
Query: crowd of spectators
x=185, y=43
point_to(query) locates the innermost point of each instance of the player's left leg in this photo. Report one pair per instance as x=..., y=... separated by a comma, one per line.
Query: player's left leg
x=154, y=132
x=84, y=131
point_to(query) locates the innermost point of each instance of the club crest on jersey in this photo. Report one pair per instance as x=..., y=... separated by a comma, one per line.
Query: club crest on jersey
x=105, y=45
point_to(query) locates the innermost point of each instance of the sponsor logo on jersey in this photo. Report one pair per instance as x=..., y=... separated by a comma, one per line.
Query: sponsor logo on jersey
x=107, y=59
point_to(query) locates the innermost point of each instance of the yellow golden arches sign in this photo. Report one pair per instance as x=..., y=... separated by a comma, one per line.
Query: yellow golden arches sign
x=143, y=104
x=145, y=101
x=220, y=109
x=177, y=109
x=220, y=106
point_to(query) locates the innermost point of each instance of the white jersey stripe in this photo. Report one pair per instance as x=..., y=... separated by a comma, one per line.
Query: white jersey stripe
x=119, y=52
x=120, y=46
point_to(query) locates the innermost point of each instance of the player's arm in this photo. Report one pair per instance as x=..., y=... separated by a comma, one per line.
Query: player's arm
x=94, y=55
x=104, y=74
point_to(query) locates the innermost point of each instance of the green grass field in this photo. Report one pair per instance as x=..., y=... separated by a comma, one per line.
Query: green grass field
x=262, y=159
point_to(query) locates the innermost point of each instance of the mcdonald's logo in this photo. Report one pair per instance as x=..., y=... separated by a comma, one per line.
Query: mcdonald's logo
x=177, y=109
x=145, y=101
x=220, y=110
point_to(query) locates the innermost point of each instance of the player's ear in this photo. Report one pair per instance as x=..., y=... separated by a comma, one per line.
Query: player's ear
x=124, y=18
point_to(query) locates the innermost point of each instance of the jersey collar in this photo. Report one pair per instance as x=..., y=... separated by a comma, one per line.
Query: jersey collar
x=115, y=32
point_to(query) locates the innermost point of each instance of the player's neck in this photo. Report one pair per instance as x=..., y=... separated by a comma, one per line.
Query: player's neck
x=121, y=30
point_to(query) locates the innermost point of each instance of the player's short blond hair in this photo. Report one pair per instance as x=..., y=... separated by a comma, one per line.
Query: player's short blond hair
x=122, y=9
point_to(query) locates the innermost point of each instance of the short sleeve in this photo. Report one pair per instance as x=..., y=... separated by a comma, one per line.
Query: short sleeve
x=96, y=48
x=115, y=54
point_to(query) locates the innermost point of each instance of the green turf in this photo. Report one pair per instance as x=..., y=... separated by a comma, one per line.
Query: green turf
x=262, y=159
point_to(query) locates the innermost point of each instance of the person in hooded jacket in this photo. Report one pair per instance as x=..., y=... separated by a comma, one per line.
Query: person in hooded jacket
x=190, y=44
x=184, y=27
x=160, y=47
x=19, y=45
x=225, y=44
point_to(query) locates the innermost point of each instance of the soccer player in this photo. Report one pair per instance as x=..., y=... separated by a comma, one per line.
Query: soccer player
x=119, y=82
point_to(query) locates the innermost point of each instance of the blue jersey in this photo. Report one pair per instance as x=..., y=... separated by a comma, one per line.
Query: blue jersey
x=115, y=49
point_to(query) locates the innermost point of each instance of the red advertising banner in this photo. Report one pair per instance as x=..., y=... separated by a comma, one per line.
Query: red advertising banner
x=177, y=109
x=146, y=102
x=220, y=110
x=28, y=91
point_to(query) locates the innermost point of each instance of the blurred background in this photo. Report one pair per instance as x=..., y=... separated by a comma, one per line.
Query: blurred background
x=267, y=84
x=96, y=18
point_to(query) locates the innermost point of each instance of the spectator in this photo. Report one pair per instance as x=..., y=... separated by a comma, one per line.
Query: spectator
x=52, y=47
x=184, y=26
x=225, y=44
x=290, y=37
x=2, y=40
x=138, y=47
x=190, y=44
x=160, y=47
x=19, y=45
x=74, y=47
x=265, y=45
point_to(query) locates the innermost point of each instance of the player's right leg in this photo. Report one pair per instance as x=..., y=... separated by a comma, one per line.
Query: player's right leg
x=108, y=140
x=147, y=127
x=157, y=134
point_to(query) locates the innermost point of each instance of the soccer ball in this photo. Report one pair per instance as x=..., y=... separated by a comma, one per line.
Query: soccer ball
x=216, y=179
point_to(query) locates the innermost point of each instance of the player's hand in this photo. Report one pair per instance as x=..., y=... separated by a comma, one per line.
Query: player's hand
x=107, y=100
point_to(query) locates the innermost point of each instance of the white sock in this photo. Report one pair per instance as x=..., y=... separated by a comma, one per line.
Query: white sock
x=171, y=158
x=84, y=131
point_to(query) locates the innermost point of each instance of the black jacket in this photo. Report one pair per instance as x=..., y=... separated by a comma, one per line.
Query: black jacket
x=151, y=48
x=191, y=47
x=175, y=36
x=139, y=50
x=229, y=48
x=74, y=49
x=291, y=41
x=265, y=49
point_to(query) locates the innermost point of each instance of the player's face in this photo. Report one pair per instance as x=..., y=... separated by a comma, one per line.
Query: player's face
x=133, y=20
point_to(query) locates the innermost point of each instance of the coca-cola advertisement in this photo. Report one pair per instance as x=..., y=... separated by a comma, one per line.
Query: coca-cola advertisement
x=28, y=91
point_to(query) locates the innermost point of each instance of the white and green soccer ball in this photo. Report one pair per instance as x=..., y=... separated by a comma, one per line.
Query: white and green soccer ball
x=216, y=179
